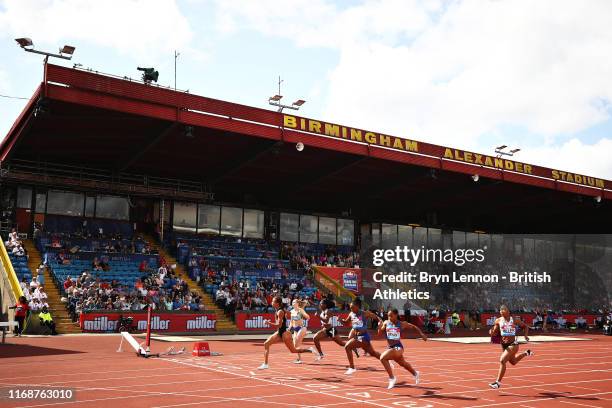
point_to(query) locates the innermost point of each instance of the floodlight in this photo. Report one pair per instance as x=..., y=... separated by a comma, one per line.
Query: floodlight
x=515, y=150
x=24, y=42
x=67, y=49
x=299, y=146
x=299, y=102
x=27, y=45
x=597, y=199
x=501, y=147
x=275, y=98
x=475, y=177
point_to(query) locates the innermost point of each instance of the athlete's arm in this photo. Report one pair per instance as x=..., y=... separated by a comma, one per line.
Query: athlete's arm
x=279, y=316
x=305, y=315
x=381, y=327
x=372, y=316
x=495, y=329
x=407, y=325
x=525, y=327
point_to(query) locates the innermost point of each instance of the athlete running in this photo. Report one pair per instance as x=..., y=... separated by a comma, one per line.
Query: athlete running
x=298, y=325
x=327, y=330
x=505, y=327
x=281, y=334
x=395, y=350
x=359, y=337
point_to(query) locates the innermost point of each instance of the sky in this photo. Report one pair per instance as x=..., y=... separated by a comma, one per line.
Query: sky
x=535, y=75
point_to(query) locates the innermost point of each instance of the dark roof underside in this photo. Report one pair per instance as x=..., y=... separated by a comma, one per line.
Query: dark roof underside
x=255, y=171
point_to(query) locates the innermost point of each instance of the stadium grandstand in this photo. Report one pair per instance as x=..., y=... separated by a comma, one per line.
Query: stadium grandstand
x=116, y=195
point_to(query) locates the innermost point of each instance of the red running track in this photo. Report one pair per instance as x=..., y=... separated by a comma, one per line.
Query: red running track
x=561, y=374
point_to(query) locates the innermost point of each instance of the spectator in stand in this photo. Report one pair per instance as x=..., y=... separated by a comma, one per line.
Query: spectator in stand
x=34, y=283
x=538, y=321
x=40, y=293
x=25, y=287
x=581, y=323
x=21, y=312
x=46, y=320
x=561, y=322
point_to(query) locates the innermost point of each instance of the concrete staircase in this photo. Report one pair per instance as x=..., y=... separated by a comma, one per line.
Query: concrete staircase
x=224, y=324
x=63, y=322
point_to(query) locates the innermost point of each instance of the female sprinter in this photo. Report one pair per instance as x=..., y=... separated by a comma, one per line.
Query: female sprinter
x=359, y=337
x=327, y=329
x=281, y=334
x=298, y=325
x=395, y=351
x=505, y=326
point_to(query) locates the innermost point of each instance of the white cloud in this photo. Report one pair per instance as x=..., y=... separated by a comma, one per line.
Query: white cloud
x=450, y=75
x=574, y=156
x=142, y=28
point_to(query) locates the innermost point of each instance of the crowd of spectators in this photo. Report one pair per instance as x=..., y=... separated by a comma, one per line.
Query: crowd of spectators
x=160, y=288
x=86, y=240
x=242, y=296
x=14, y=245
x=304, y=256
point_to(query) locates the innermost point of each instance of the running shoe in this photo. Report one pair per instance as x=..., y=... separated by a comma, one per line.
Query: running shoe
x=417, y=378
x=391, y=383
x=350, y=371
x=315, y=352
x=495, y=385
x=529, y=353
x=297, y=361
x=319, y=357
x=263, y=367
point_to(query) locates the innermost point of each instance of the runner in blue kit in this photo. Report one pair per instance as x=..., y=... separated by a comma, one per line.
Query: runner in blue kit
x=359, y=336
x=504, y=332
x=392, y=327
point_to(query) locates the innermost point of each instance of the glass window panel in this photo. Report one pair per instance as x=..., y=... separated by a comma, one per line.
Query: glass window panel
x=346, y=232
x=419, y=237
x=184, y=216
x=231, y=221
x=90, y=206
x=65, y=203
x=484, y=240
x=309, y=228
x=376, y=234
x=434, y=238
x=389, y=235
x=24, y=197
x=289, y=226
x=209, y=219
x=459, y=239
x=113, y=207
x=327, y=230
x=41, y=202
x=404, y=235
x=472, y=240
x=497, y=244
x=253, y=224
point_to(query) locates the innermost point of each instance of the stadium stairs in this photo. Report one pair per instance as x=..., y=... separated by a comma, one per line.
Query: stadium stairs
x=224, y=324
x=63, y=322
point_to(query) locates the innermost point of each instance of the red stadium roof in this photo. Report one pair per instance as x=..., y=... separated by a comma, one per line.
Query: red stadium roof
x=246, y=155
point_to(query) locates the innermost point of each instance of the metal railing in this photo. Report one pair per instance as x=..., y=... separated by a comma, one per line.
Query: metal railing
x=69, y=175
